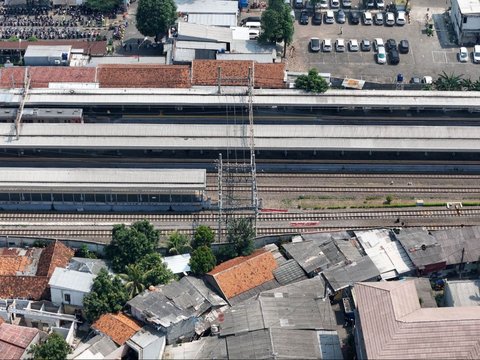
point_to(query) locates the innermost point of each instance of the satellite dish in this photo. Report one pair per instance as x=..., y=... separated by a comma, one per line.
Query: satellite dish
x=424, y=247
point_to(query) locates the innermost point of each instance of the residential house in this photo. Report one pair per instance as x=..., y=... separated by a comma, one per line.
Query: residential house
x=423, y=249
x=118, y=327
x=244, y=276
x=16, y=341
x=208, y=12
x=465, y=18
x=390, y=324
x=308, y=255
x=462, y=293
x=25, y=273
x=98, y=347
x=178, y=264
x=181, y=309
x=90, y=266
x=68, y=287
x=147, y=344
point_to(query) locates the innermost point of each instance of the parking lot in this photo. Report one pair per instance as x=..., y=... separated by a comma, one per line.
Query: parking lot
x=427, y=55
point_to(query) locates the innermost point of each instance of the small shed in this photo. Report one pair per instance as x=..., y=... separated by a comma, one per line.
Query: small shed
x=47, y=55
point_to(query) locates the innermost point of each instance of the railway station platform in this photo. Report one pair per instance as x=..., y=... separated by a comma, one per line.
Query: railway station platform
x=102, y=189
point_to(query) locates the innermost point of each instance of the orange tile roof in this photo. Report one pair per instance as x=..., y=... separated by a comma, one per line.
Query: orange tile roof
x=28, y=287
x=394, y=326
x=14, y=340
x=143, y=76
x=41, y=76
x=54, y=255
x=243, y=273
x=9, y=265
x=118, y=327
x=93, y=48
x=235, y=73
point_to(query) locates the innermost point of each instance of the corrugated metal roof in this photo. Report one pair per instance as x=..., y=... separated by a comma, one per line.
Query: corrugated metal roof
x=251, y=345
x=178, y=263
x=412, y=240
x=204, y=45
x=289, y=272
x=343, y=276
x=190, y=31
x=207, y=6
x=329, y=345
x=213, y=19
x=47, y=51
x=71, y=280
x=261, y=58
x=453, y=241
x=308, y=255
x=204, y=348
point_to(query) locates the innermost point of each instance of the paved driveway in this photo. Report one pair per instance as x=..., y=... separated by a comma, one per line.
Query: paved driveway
x=428, y=55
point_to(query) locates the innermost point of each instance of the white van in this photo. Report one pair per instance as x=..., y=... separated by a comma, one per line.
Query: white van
x=253, y=25
x=253, y=34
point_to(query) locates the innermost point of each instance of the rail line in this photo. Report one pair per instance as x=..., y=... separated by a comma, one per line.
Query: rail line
x=357, y=175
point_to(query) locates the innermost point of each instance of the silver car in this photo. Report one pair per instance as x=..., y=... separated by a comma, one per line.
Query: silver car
x=379, y=18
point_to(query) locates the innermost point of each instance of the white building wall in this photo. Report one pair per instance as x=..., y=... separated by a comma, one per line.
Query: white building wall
x=58, y=296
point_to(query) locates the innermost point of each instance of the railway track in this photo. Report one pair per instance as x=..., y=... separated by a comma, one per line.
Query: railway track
x=356, y=175
x=107, y=218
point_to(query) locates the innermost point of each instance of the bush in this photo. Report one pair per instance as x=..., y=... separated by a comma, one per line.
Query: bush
x=202, y=260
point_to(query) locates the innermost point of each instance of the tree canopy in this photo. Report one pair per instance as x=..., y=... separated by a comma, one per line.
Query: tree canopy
x=129, y=244
x=103, y=5
x=203, y=236
x=154, y=17
x=241, y=234
x=202, y=260
x=277, y=24
x=178, y=243
x=54, y=348
x=155, y=270
x=108, y=294
x=312, y=82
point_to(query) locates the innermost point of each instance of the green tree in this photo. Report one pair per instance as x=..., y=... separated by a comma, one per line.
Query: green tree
x=154, y=17
x=202, y=260
x=103, y=5
x=108, y=294
x=178, y=243
x=54, y=348
x=83, y=252
x=203, y=236
x=312, y=82
x=130, y=244
x=225, y=252
x=134, y=279
x=447, y=82
x=241, y=234
x=155, y=269
x=277, y=24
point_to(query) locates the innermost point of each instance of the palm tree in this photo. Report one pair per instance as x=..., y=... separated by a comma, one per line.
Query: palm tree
x=450, y=82
x=178, y=243
x=134, y=279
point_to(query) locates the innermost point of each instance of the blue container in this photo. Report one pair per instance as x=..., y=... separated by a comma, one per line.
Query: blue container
x=242, y=4
x=400, y=78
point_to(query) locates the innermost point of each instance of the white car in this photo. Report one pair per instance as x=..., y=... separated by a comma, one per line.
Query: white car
x=353, y=45
x=463, y=54
x=380, y=4
x=367, y=18
x=381, y=55
x=340, y=45
x=378, y=42
x=329, y=17
x=390, y=19
x=327, y=45
x=476, y=54
x=379, y=18
x=401, y=18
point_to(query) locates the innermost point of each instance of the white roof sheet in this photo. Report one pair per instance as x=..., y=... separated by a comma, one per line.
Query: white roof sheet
x=213, y=19
x=261, y=58
x=178, y=263
x=38, y=179
x=192, y=31
x=47, y=51
x=203, y=45
x=71, y=280
x=469, y=6
x=207, y=6
x=464, y=292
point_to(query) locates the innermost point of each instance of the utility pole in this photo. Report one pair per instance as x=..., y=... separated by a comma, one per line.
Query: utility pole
x=253, y=166
x=460, y=269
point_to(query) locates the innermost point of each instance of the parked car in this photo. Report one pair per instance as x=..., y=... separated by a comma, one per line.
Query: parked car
x=353, y=45
x=390, y=44
x=427, y=80
x=381, y=55
x=327, y=45
x=367, y=18
x=303, y=20
x=317, y=18
x=251, y=19
x=404, y=47
x=323, y=4
x=401, y=18
x=354, y=18
x=299, y=4
x=334, y=4
x=329, y=17
x=340, y=45
x=377, y=42
x=389, y=19
x=365, y=45
x=315, y=44
x=415, y=80
x=380, y=4
x=369, y=4
x=463, y=54
x=393, y=56
x=476, y=54
x=379, y=18
x=347, y=3
x=341, y=17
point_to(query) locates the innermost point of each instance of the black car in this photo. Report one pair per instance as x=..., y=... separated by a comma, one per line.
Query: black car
x=251, y=19
x=393, y=56
x=404, y=47
x=390, y=44
x=303, y=18
x=354, y=18
x=317, y=18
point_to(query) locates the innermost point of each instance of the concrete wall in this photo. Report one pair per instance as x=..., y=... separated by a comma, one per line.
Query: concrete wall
x=466, y=27
x=58, y=296
x=19, y=241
